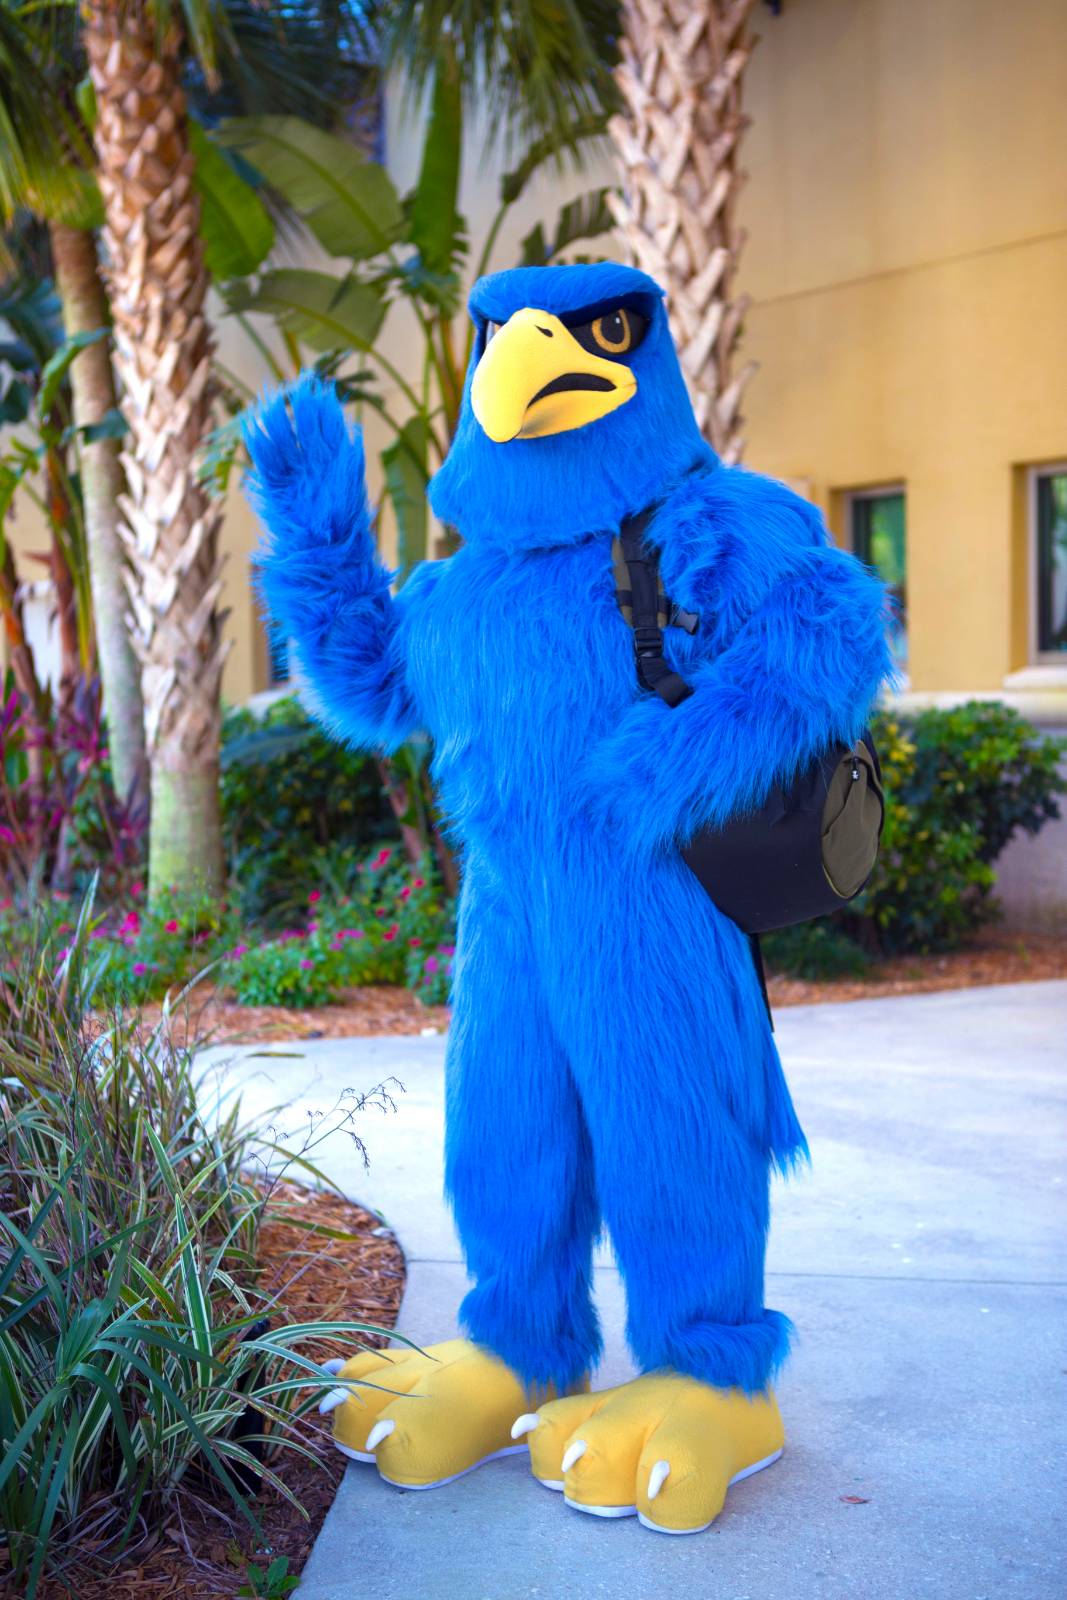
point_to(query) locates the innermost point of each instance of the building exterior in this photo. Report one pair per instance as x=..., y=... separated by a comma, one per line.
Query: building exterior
x=907, y=258
x=907, y=268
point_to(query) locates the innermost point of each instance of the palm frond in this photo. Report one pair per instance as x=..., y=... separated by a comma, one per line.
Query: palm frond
x=534, y=65
x=42, y=149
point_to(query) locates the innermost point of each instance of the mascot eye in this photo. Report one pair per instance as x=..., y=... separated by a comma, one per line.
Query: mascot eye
x=615, y=334
x=612, y=333
x=492, y=328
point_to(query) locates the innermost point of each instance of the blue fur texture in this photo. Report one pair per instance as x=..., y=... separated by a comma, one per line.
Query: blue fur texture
x=610, y=1061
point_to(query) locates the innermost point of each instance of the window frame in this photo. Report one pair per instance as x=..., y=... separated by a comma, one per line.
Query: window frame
x=279, y=649
x=880, y=491
x=1035, y=655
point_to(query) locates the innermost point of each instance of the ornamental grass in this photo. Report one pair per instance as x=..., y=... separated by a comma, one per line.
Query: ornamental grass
x=139, y=1364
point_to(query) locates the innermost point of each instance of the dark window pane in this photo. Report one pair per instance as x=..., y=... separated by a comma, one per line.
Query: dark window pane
x=879, y=537
x=1052, y=562
x=279, y=658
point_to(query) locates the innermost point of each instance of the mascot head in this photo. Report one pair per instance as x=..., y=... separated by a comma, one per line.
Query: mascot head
x=575, y=413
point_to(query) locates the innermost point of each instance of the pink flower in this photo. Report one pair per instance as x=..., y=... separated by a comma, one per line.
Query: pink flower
x=199, y=938
x=137, y=890
x=5, y=905
x=431, y=964
x=405, y=893
x=313, y=927
x=64, y=927
x=139, y=969
x=414, y=943
x=306, y=964
x=315, y=895
x=131, y=922
x=379, y=911
x=446, y=950
x=418, y=883
x=351, y=933
x=390, y=933
x=171, y=926
x=238, y=951
x=380, y=859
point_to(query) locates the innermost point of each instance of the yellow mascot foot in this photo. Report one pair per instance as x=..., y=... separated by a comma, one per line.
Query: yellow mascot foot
x=425, y=1417
x=665, y=1447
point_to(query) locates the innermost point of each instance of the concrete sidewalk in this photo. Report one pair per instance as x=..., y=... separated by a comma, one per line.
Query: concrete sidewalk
x=923, y=1262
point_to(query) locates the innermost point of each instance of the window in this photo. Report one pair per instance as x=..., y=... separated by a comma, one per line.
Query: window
x=1050, y=564
x=877, y=529
x=278, y=660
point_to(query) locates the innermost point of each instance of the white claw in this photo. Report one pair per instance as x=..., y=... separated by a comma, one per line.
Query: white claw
x=657, y=1478
x=331, y=1401
x=525, y=1424
x=380, y=1431
x=574, y=1453
x=333, y=1366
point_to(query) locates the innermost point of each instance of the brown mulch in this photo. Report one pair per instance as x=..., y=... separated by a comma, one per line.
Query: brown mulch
x=199, y=1554
x=996, y=957
x=380, y=1009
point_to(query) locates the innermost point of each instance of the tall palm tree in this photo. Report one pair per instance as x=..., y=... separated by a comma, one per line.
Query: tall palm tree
x=158, y=284
x=677, y=139
x=44, y=161
x=158, y=541
x=158, y=288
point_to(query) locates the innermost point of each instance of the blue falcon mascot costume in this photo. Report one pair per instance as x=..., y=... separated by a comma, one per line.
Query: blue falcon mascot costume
x=610, y=1061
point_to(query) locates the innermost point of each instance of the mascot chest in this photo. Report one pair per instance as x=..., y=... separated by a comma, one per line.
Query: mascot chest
x=528, y=649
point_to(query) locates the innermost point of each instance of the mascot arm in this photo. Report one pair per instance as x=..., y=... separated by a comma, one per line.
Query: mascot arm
x=317, y=567
x=802, y=671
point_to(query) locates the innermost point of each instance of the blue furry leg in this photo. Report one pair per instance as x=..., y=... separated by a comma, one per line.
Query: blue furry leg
x=656, y=1000
x=518, y=1168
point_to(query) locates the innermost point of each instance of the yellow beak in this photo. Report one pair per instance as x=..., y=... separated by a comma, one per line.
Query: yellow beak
x=534, y=379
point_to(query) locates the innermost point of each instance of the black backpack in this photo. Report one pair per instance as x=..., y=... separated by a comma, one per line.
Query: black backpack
x=811, y=846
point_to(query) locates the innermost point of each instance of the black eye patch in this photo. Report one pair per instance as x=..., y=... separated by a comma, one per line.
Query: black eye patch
x=615, y=333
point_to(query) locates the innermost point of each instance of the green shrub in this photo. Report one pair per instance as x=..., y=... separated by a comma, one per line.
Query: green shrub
x=982, y=764
x=153, y=949
x=374, y=920
x=286, y=791
x=293, y=972
x=133, y=1339
x=958, y=784
x=816, y=951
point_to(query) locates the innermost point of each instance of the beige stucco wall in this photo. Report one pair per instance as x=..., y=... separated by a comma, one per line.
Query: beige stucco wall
x=908, y=263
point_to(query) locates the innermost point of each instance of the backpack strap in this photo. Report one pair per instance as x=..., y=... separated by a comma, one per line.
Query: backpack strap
x=643, y=602
x=647, y=609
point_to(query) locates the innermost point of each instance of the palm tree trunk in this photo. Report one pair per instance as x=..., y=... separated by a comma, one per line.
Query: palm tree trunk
x=33, y=696
x=677, y=142
x=92, y=382
x=70, y=662
x=163, y=355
